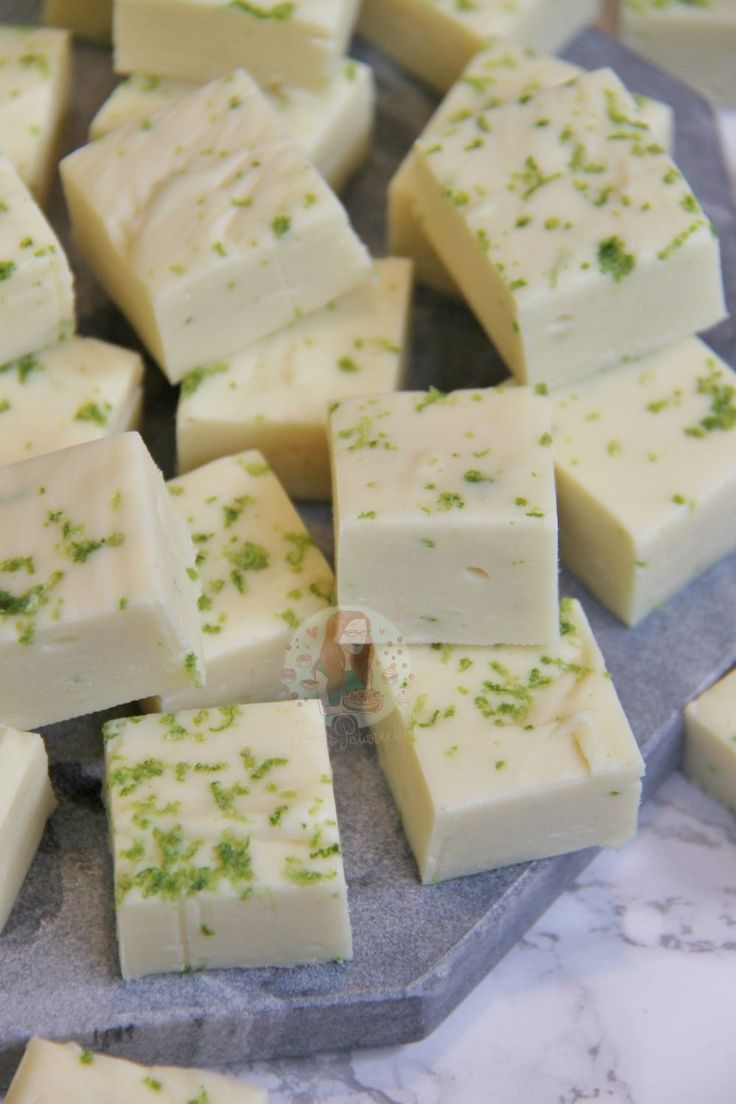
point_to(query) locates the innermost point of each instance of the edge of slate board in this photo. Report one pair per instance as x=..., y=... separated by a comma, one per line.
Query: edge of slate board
x=418, y=950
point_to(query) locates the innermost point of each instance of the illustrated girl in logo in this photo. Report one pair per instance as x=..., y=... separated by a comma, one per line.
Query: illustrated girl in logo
x=342, y=671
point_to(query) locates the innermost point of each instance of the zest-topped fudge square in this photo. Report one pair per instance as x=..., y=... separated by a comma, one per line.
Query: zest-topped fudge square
x=710, y=741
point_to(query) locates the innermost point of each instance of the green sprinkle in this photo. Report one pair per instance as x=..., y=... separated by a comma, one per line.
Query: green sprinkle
x=613, y=260
x=281, y=225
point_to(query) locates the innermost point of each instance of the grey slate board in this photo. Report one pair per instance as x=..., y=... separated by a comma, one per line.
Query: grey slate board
x=418, y=950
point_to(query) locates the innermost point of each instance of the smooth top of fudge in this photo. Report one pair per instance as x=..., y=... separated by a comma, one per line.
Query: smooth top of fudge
x=63, y=1071
x=320, y=16
x=258, y=565
x=19, y=751
x=29, y=57
x=210, y=179
x=687, y=12
x=491, y=17
x=454, y=458
x=64, y=537
x=716, y=709
x=327, y=355
x=652, y=438
x=492, y=723
x=230, y=801
x=566, y=186
x=76, y=391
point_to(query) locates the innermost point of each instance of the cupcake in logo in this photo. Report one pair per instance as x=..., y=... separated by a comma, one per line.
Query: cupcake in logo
x=354, y=661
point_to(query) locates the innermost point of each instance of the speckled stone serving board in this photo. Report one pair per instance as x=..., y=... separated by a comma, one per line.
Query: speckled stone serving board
x=418, y=950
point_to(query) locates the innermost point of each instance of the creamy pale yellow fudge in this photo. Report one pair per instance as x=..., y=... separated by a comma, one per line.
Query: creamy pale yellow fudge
x=435, y=39
x=645, y=458
x=26, y=803
x=208, y=226
x=501, y=73
x=332, y=126
x=98, y=598
x=76, y=391
x=36, y=284
x=501, y=755
x=694, y=39
x=279, y=42
x=260, y=573
x=571, y=233
x=59, y=1071
x=710, y=741
x=89, y=19
x=445, y=518
x=225, y=839
x=275, y=395
x=35, y=82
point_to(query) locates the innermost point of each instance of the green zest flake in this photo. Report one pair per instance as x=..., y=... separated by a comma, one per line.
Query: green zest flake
x=4, y=406
x=219, y=249
x=545, y=440
x=90, y=412
x=347, y=364
x=229, y=714
x=255, y=469
x=483, y=239
x=616, y=115
x=129, y=777
x=535, y=512
x=532, y=178
x=290, y=618
x=86, y=1058
x=613, y=260
x=251, y=557
x=299, y=875
x=281, y=225
x=266, y=767
x=433, y=395
x=246, y=201
x=232, y=513
x=280, y=12
x=474, y=476
x=193, y=381
x=206, y=931
x=566, y=667
x=25, y=366
x=428, y=543
x=225, y=797
x=578, y=163
x=680, y=240
x=36, y=61
x=679, y=500
x=722, y=414
x=301, y=542
x=448, y=500
x=19, y=563
x=614, y=448
x=7, y=268
x=367, y=515
x=276, y=815
x=541, y=389
x=123, y=605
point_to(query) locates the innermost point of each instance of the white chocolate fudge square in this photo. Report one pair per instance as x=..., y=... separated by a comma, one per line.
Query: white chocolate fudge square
x=499, y=74
x=260, y=573
x=208, y=226
x=710, y=741
x=445, y=518
x=275, y=395
x=97, y=606
x=36, y=284
x=26, y=803
x=88, y=19
x=332, y=126
x=35, y=82
x=502, y=755
x=298, y=42
x=645, y=458
x=571, y=233
x=435, y=39
x=225, y=839
x=76, y=391
x=63, y=1071
x=695, y=40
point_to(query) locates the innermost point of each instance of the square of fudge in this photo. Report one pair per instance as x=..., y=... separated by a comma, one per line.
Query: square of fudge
x=645, y=459
x=260, y=573
x=572, y=235
x=208, y=226
x=435, y=39
x=225, y=840
x=26, y=802
x=695, y=40
x=299, y=42
x=87, y=19
x=98, y=599
x=36, y=283
x=35, y=84
x=502, y=755
x=499, y=74
x=332, y=126
x=710, y=741
x=445, y=517
x=77, y=391
x=275, y=395
x=58, y=1071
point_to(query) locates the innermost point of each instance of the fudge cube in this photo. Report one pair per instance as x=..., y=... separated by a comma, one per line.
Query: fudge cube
x=62, y=1071
x=88, y=19
x=645, y=459
x=260, y=573
x=502, y=755
x=225, y=840
x=500, y=74
x=275, y=395
x=445, y=518
x=435, y=39
x=76, y=391
x=695, y=40
x=35, y=83
x=26, y=803
x=208, y=226
x=97, y=606
x=710, y=741
x=299, y=42
x=36, y=284
x=569, y=230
